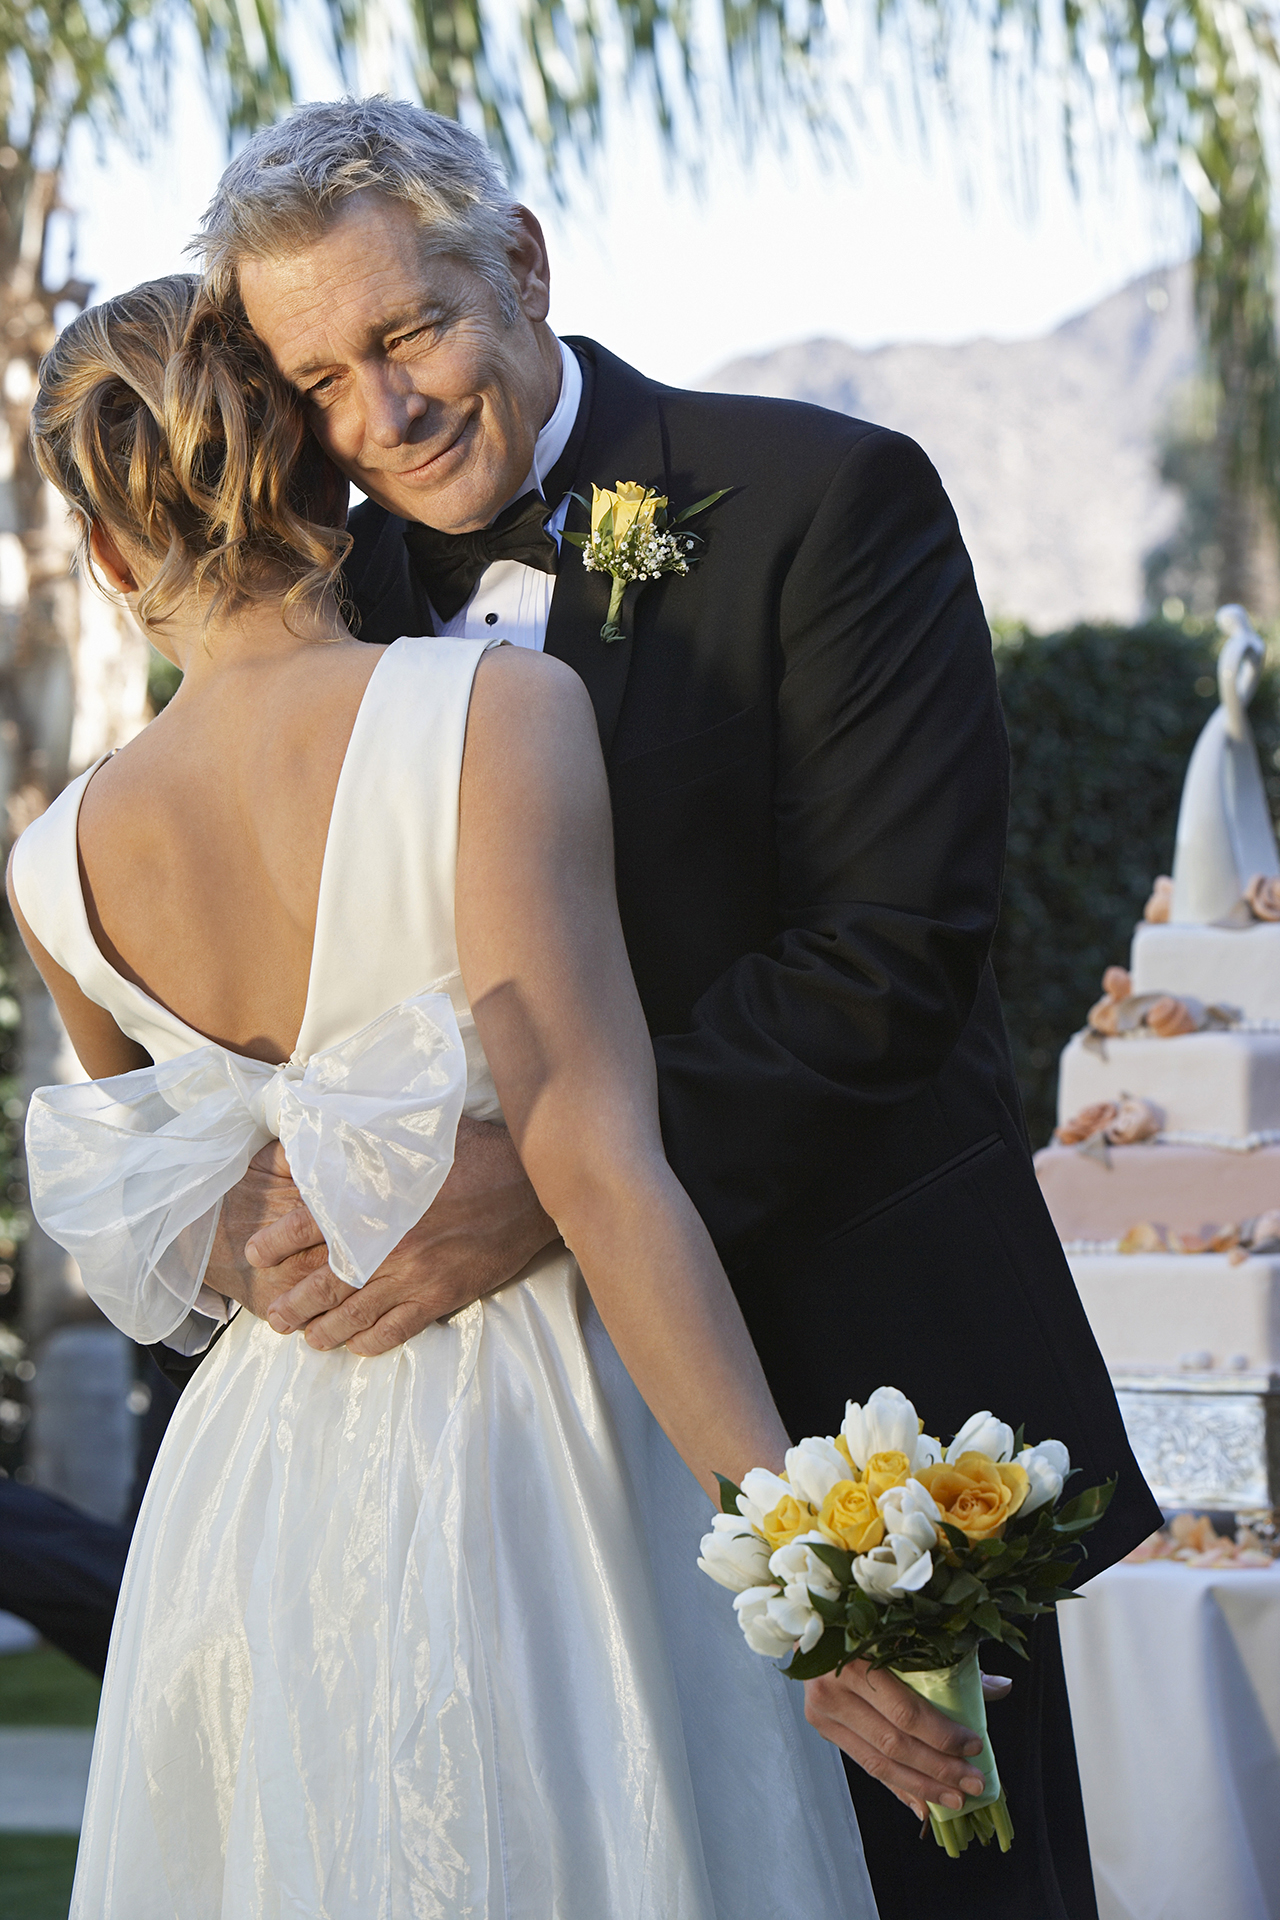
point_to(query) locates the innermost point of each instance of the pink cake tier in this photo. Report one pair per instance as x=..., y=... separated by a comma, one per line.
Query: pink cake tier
x=1162, y=1310
x=1176, y=1186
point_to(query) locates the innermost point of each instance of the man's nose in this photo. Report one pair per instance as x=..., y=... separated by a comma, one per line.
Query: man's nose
x=392, y=406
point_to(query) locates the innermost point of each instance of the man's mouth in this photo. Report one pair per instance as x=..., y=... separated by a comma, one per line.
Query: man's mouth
x=429, y=468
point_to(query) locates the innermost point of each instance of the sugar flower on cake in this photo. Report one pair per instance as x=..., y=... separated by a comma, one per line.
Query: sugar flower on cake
x=1121, y=1123
x=1159, y=907
x=1262, y=896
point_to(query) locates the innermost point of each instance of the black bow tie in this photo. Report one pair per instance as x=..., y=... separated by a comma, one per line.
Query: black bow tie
x=450, y=564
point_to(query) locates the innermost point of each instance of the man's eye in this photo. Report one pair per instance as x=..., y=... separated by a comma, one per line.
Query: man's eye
x=319, y=388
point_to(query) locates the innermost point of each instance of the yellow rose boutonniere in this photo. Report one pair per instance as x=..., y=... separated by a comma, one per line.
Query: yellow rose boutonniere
x=976, y=1494
x=631, y=539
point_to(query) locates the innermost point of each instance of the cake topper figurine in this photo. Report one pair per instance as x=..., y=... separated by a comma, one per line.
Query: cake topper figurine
x=1225, y=837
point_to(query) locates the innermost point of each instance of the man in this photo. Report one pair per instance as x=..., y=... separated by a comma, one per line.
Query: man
x=808, y=772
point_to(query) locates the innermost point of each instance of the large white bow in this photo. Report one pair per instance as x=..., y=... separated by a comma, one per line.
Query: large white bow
x=128, y=1174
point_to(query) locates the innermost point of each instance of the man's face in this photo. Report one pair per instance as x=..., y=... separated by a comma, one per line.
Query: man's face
x=417, y=387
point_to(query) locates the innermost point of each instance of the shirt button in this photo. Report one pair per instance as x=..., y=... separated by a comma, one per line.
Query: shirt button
x=491, y=619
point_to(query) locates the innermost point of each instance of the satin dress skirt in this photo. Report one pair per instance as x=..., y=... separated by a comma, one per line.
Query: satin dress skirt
x=421, y=1637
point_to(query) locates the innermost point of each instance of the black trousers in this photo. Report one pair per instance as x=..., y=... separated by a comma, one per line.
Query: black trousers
x=60, y=1569
x=1046, y=1874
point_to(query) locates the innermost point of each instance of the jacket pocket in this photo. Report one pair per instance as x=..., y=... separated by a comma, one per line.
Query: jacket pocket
x=962, y=1162
x=695, y=757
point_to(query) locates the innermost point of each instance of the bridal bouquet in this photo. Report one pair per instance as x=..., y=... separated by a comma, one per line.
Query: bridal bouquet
x=882, y=1545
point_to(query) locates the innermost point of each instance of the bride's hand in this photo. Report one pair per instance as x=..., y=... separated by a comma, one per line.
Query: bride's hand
x=895, y=1736
x=486, y=1224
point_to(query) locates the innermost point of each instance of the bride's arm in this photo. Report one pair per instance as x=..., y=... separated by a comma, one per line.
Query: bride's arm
x=546, y=971
x=100, y=1047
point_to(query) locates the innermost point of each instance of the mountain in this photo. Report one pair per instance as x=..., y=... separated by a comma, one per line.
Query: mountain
x=1047, y=447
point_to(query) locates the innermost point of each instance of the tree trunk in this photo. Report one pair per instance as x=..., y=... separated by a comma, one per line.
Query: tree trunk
x=72, y=686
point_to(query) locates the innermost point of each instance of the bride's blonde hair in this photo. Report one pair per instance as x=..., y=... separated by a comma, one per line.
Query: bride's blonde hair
x=161, y=417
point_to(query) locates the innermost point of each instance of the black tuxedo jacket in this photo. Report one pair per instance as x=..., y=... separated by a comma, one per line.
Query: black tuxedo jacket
x=809, y=777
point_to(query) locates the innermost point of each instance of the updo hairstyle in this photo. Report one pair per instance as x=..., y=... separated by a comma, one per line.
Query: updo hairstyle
x=160, y=416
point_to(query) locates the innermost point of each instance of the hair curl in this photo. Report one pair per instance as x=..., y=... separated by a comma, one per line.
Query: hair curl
x=160, y=416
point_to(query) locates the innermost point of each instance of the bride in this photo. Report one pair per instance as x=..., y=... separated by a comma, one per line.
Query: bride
x=418, y=1635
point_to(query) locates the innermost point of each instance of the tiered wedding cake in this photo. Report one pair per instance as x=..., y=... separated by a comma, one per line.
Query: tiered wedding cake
x=1164, y=1178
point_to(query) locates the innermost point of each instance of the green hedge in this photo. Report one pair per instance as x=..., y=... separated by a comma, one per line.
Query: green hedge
x=1101, y=723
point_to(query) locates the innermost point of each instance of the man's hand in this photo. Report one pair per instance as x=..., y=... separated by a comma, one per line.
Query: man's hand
x=896, y=1737
x=265, y=1198
x=485, y=1225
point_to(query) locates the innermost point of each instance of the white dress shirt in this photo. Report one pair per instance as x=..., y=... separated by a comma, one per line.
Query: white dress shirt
x=513, y=602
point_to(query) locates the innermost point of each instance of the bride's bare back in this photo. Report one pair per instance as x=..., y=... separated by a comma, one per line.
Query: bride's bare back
x=201, y=844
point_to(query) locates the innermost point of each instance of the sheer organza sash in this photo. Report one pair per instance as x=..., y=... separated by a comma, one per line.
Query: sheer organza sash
x=128, y=1174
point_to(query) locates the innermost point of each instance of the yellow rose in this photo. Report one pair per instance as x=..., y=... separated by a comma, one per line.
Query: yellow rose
x=842, y=1446
x=789, y=1517
x=628, y=502
x=849, y=1517
x=885, y=1470
x=976, y=1494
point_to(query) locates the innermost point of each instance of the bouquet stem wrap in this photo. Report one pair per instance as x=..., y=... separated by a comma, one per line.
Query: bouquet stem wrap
x=957, y=1692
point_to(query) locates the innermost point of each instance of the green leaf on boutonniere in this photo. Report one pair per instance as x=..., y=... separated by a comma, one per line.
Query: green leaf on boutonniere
x=700, y=506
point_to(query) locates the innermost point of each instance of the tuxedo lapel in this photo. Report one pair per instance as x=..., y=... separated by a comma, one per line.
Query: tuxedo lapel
x=623, y=441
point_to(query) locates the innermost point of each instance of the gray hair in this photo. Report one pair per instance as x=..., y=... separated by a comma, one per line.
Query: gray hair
x=291, y=181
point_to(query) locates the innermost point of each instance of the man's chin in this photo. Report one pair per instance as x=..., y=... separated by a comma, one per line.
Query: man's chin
x=448, y=510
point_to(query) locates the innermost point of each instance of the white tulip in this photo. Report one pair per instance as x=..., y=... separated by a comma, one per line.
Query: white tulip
x=793, y=1614
x=761, y=1492
x=911, y=1510
x=928, y=1452
x=759, y=1630
x=813, y=1468
x=1046, y=1467
x=982, y=1433
x=797, y=1565
x=897, y=1566
x=887, y=1424
x=732, y=1555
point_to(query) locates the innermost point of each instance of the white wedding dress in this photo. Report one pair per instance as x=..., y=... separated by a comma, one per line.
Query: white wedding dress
x=422, y=1635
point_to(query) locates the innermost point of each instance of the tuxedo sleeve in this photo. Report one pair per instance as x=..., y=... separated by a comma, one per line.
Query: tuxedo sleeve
x=890, y=808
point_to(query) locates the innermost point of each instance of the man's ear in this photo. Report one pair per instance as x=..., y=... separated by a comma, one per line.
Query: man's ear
x=530, y=268
x=109, y=560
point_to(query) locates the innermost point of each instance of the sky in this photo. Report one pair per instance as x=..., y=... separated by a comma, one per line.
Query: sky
x=681, y=279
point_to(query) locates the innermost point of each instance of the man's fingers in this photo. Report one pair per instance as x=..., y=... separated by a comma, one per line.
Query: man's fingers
x=272, y=1159
x=356, y=1311
x=314, y=1295
x=392, y=1330
x=294, y=1232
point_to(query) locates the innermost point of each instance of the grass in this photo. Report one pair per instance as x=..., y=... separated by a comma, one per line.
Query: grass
x=36, y=1870
x=42, y=1688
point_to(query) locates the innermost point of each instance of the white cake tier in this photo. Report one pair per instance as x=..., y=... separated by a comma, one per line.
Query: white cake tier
x=1217, y=1082
x=1232, y=966
x=1183, y=1187
x=1160, y=1309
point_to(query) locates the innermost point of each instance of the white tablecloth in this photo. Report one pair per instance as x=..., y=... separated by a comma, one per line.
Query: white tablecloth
x=1174, y=1675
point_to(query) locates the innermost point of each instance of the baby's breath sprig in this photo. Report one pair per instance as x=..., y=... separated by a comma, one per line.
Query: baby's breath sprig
x=630, y=540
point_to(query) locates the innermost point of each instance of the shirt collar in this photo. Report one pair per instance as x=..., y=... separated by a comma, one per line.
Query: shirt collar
x=554, y=437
